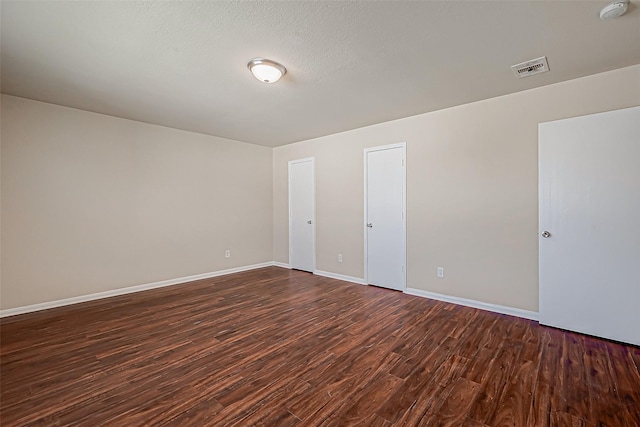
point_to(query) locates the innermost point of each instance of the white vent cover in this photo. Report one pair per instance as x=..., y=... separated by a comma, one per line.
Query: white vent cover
x=529, y=68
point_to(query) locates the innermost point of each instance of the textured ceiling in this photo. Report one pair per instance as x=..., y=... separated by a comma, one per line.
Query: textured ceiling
x=350, y=64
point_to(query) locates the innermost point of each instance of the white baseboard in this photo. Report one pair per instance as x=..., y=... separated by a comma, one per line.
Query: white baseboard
x=281, y=264
x=502, y=309
x=331, y=275
x=128, y=290
x=532, y=315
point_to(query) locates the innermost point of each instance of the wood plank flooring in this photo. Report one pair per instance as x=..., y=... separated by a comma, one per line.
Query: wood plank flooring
x=275, y=347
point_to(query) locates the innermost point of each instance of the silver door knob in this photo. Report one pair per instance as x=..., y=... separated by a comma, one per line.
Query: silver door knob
x=309, y=222
x=370, y=225
x=546, y=234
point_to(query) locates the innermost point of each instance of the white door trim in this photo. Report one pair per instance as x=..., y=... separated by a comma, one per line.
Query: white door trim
x=402, y=145
x=313, y=219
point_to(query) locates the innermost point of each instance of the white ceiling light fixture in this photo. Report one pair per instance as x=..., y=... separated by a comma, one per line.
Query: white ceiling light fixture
x=614, y=9
x=266, y=70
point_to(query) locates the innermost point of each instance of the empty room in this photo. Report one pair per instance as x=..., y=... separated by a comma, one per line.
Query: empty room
x=320, y=213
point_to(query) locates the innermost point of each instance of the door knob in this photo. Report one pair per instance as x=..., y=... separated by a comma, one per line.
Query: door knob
x=309, y=222
x=546, y=234
x=370, y=225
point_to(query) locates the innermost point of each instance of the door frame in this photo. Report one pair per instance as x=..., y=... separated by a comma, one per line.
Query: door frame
x=313, y=198
x=403, y=146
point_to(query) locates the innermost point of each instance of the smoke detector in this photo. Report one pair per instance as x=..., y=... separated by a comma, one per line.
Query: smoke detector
x=614, y=9
x=531, y=67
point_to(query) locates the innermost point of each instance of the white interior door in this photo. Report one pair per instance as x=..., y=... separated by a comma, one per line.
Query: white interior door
x=301, y=214
x=385, y=216
x=589, y=184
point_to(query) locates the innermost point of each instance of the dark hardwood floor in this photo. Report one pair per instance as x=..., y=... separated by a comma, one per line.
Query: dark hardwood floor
x=274, y=347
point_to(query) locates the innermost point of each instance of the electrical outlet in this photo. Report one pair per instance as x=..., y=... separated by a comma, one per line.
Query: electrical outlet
x=227, y=253
x=339, y=257
x=441, y=272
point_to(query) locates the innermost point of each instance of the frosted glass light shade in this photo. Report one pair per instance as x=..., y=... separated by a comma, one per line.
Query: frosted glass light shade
x=265, y=70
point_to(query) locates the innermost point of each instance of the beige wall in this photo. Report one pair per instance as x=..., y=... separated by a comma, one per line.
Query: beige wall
x=93, y=203
x=472, y=196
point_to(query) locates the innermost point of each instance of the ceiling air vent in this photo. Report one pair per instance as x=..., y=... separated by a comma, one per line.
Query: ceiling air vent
x=529, y=68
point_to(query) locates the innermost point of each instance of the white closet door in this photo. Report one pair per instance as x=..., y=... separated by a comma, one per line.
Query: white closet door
x=384, y=212
x=589, y=189
x=301, y=214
